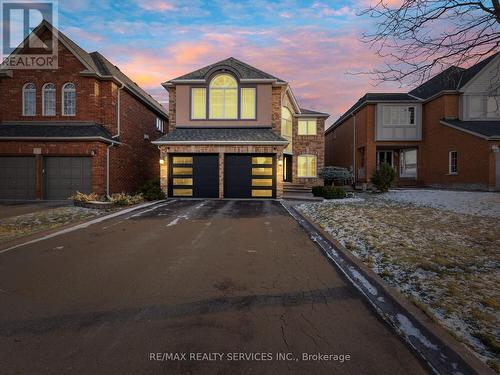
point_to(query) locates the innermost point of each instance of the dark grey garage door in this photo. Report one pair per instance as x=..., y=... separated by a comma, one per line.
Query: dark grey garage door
x=17, y=177
x=249, y=176
x=64, y=176
x=194, y=175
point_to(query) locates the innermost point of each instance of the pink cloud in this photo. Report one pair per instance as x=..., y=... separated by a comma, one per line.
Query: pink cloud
x=315, y=61
x=158, y=5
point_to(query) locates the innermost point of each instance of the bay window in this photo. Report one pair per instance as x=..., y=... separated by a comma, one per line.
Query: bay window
x=306, y=166
x=398, y=115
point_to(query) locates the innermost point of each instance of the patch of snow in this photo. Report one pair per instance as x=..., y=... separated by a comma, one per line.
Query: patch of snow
x=200, y=205
x=368, y=286
x=463, y=202
x=342, y=201
x=176, y=220
x=410, y=330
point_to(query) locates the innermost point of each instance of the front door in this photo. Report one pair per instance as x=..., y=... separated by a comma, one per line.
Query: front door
x=385, y=157
x=408, y=163
x=287, y=168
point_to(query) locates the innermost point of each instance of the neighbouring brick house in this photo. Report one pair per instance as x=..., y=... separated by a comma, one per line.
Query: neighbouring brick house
x=444, y=133
x=238, y=132
x=84, y=126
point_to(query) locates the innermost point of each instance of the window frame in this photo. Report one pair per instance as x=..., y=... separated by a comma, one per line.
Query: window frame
x=307, y=121
x=224, y=118
x=307, y=156
x=450, y=162
x=240, y=102
x=64, y=90
x=54, y=93
x=289, y=137
x=191, y=102
x=24, y=99
x=390, y=107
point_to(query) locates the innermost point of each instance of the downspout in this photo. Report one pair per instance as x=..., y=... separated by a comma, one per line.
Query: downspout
x=354, y=149
x=117, y=135
x=107, y=171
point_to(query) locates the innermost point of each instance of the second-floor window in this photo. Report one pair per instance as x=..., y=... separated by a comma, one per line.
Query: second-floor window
x=307, y=127
x=286, y=128
x=248, y=103
x=198, y=103
x=398, y=115
x=49, y=99
x=223, y=98
x=484, y=107
x=29, y=99
x=69, y=99
x=160, y=124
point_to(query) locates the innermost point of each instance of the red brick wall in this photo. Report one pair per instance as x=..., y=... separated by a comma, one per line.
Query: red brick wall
x=132, y=163
x=15, y=148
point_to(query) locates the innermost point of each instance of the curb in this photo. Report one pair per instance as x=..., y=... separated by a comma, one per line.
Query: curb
x=433, y=344
x=85, y=224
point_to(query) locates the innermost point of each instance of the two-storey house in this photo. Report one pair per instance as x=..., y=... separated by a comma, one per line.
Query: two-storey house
x=238, y=132
x=444, y=133
x=84, y=126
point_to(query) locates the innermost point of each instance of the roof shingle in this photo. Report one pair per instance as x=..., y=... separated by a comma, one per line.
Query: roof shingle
x=487, y=129
x=225, y=135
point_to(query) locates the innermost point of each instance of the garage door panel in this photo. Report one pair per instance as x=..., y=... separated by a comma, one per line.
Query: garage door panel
x=17, y=177
x=194, y=176
x=64, y=176
x=250, y=176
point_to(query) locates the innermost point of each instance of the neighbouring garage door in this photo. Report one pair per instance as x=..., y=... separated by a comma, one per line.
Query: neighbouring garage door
x=249, y=176
x=64, y=176
x=17, y=177
x=195, y=176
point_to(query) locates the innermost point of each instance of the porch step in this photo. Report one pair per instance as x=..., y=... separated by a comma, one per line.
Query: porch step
x=302, y=197
x=288, y=187
x=298, y=192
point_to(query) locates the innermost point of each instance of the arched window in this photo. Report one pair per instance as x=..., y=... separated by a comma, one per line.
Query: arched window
x=29, y=99
x=286, y=128
x=49, y=99
x=69, y=99
x=223, y=97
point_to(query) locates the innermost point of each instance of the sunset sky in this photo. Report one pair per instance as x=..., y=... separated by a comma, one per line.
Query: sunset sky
x=314, y=45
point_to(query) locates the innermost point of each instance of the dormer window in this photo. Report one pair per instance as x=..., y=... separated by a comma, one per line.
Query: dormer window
x=223, y=98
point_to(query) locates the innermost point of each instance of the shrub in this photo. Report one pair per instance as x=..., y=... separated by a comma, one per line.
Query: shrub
x=151, y=190
x=383, y=177
x=123, y=199
x=328, y=175
x=317, y=191
x=329, y=192
x=83, y=198
x=332, y=192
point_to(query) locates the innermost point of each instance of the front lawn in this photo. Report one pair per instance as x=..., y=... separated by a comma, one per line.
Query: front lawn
x=445, y=260
x=24, y=225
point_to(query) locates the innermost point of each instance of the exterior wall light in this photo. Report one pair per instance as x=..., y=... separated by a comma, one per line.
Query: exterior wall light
x=280, y=163
x=162, y=161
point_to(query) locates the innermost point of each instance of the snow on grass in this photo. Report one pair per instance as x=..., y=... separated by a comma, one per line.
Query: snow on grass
x=446, y=262
x=24, y=225
x=464, y=202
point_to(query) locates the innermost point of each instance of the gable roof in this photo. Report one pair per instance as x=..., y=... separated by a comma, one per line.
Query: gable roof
x=243, y=70
x=96, y=64
x=310, y=112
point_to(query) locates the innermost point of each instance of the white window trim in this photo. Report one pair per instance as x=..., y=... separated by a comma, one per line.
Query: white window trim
x=316, y=169
x=307, y=127
x=63, y=113
x=385, y=124
x=24, y=100
x=43, y=100
x=449, y=163
x=192, y=103
x=160, y=124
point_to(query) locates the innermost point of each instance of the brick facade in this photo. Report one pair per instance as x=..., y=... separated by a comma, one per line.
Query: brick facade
x=476, y=160
x=132, y=162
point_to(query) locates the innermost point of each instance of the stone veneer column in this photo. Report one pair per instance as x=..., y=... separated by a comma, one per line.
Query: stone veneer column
x=164, y=171
x=221, y=175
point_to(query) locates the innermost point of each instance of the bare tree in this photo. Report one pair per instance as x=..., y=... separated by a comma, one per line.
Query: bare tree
x=418, y=38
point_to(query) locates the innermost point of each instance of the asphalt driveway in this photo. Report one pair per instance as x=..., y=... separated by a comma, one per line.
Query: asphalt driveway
x=189, y=276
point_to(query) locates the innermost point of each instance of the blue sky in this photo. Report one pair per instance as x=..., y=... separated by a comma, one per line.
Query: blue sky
x=312, y=44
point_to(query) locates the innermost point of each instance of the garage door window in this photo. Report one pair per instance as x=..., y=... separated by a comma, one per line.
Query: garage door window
x=183, y=160
x=262, y=172
x=183, y=192
x=262, y=182
x=182, y=170
x=179, y=171
x=262, y=193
